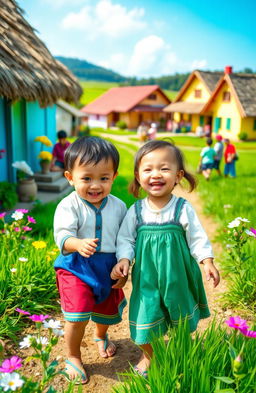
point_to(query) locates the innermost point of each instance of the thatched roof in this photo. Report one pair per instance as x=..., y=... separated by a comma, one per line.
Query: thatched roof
x=185, y=107
x=27, y=68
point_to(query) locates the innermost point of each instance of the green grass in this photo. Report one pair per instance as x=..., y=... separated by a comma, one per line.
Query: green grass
x=92, y=90
x=171, y=94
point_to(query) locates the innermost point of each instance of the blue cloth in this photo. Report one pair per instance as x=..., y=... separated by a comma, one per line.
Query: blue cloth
x=230, y=169
x=94, y=271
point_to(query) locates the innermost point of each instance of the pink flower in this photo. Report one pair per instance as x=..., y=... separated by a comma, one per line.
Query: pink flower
x=22, y=210
x=237, y=323
x=9, y=365
x=31, y=219
x=22, y=311
x=248, y=333
x=2, y=215
x=16, y=229
x=38, y=318
x=26, y=228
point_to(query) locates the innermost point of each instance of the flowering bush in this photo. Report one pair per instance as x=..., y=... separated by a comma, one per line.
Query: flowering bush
x=45, y=156
x=238, y=266
x=10, y=380
x=23, y=170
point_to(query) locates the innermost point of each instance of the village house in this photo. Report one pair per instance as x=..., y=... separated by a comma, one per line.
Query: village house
x=31, y=82
x=232, y=106
x=185, y=111
x=69, y=118
x=130, y=104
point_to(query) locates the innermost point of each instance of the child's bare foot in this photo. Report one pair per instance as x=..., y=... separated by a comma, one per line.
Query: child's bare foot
x=106, y=348
x=75, y=370
x=143, y=364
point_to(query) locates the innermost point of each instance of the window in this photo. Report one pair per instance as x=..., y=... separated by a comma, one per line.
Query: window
x=201, y=121
x=226, y=96
x=152, y=97
x=254, y=125
x=217, y=124
x=228, y=124
x=97, y=117
x=198, y=93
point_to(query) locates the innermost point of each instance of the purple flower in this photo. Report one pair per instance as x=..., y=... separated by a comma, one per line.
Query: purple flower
x=9, y=365
x=2, y=215
x=237, y=323
x=31, y=219
x=38, y=318
x=16, y=229
x=26, y=228
x=22, y=210
x=22, y=311
x=248, y=333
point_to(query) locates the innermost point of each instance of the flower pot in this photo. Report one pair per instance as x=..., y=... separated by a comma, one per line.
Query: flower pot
x=45, y=166
x=27, y=190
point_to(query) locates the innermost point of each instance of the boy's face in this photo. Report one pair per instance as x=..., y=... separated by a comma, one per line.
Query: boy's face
x=92, y=182
x=62, y=141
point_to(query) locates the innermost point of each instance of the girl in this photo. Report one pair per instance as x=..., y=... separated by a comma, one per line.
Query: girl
x=167, y=240
x=86, y=224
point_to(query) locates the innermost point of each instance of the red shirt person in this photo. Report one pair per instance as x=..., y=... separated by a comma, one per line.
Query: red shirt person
x=229, y=156
x=59, y=149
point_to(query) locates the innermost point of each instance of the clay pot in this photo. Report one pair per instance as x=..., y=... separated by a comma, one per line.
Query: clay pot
x=45, y=166
x=27, y=190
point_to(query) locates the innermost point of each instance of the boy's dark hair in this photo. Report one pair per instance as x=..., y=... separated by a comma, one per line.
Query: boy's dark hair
x=61, y=134
x=90, y=149
x=150, y=146
x=209, y=141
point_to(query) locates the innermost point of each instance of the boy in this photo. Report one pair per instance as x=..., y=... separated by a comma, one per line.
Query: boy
x=57, y=164
x=207, y=157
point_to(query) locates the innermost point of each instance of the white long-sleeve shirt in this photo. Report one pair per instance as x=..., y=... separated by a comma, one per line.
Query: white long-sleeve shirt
x=198, y=242
x=75, y=218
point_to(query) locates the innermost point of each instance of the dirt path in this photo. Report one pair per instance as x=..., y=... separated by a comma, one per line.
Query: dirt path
x=103, y=373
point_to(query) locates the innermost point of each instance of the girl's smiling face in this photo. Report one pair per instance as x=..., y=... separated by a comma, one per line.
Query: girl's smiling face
x=92, y=182
x=158, y=173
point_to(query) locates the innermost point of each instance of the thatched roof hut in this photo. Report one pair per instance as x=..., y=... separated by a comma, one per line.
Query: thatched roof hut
x=27, y=68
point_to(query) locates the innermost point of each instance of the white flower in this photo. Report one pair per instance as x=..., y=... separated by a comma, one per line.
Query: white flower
x=11, y=381
x=242, y=219
x=17, y=215
x=13, y=270
x=229, y=246
x=250, y=233
x=26, y=342
x=58, y=332
x=22, y=259
x=42, y=340
x=52, y=324
x=227, y=206
x=23, y=166
x=233, y=224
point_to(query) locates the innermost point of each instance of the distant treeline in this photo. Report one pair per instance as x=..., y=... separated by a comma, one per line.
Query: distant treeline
x=88, y=71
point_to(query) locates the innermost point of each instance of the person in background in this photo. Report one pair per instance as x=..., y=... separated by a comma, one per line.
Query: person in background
x=142, y=133
x=207, y=157
x=152, y=132
x=219, y=148
x=57, y=164
x=229, y=156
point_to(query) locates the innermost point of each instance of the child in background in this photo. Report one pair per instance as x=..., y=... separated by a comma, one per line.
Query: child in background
x=86, y=224
x=218, y=148
x=207, y=157
x=168, y=242
x=230, y=159
x=57, y=164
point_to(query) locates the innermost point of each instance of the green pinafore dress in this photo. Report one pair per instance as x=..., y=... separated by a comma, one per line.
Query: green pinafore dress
x=167, y=281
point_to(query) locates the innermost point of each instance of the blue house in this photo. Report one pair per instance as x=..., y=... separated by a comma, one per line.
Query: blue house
x=31, y=82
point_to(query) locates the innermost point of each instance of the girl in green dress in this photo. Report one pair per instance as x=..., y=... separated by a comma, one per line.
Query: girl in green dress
x=163, y=234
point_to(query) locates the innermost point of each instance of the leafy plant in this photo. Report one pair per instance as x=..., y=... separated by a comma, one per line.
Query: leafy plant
x=243, y=136
x=121, y=124
x=8, y=195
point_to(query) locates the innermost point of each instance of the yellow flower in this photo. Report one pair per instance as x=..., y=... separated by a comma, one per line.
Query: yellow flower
x=39, y=244
x=45, y=155
x=43, y=139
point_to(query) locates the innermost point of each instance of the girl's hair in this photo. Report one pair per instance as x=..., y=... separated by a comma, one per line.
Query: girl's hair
x=90, y=149
x=150, y=146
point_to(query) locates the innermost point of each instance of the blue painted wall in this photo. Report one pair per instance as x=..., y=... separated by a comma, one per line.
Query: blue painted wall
x=3, y=143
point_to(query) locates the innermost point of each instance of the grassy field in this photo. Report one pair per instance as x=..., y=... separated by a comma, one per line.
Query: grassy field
x=93, y=89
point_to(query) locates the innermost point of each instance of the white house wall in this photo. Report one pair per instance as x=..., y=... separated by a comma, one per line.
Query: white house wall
x=64, y=120
x=97, y=121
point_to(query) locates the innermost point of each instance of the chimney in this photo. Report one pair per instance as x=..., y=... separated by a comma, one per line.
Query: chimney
x=228, y=70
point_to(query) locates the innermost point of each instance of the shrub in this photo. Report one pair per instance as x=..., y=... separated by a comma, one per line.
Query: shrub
x=243, y=136
x=84, y=130
x=121, y=125
x=8, y=195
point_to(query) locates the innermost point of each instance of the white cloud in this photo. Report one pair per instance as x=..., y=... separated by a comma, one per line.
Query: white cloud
x=116, y=62
x=198, y=64
x=106, y=18
x=152, y=56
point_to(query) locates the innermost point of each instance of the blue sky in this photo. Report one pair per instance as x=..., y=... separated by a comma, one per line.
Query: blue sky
x=148, y=37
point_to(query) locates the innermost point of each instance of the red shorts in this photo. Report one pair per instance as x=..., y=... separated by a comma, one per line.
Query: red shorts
x=78, y=303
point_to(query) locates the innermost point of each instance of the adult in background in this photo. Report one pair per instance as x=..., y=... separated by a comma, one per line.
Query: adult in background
x=229, y=156
x=207, y=157
x=57, y=164
x=219, y=149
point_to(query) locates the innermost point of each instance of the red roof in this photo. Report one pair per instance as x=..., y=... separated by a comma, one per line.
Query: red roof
x=120, y=99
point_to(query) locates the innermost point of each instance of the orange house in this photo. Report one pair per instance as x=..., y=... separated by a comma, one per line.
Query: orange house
x=131, y=104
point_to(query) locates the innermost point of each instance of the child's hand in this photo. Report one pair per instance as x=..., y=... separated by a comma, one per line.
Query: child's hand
x=87, y=247
x=120, y=283
x=121, y=269
x=211, y=271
